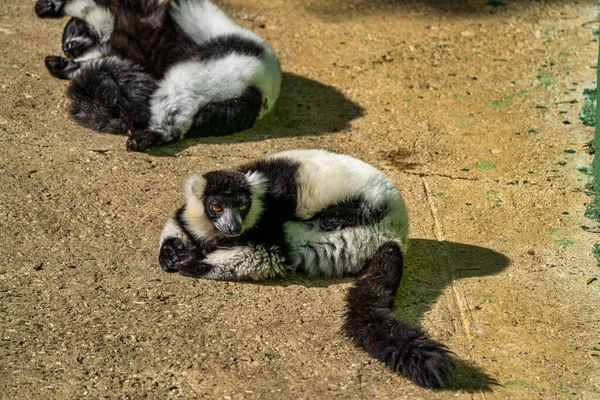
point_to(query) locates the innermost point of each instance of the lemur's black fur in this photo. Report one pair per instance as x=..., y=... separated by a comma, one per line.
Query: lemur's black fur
x=114, y=98
x=370, y=322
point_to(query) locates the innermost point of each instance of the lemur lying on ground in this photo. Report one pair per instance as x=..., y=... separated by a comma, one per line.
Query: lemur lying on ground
x=161, y=70
x=315, y=212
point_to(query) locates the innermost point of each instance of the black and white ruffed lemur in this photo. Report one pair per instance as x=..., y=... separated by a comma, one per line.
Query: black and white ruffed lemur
x=314, y=212
x=159, y=70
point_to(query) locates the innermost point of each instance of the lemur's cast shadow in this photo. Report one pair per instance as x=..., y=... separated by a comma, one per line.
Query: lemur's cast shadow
x=305, y=107
x=430, y=266
x=359, y=8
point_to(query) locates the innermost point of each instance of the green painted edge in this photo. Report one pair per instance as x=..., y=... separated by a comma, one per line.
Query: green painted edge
x=597, y=134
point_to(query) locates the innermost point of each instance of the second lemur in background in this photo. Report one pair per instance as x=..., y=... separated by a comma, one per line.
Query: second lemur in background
x=313, y=212
x=162, y=70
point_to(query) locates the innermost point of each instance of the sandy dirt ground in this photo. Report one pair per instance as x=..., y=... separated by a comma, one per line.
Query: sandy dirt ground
x=471, y=107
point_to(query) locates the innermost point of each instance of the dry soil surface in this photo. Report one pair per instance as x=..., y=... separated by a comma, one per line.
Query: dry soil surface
x=471, y=107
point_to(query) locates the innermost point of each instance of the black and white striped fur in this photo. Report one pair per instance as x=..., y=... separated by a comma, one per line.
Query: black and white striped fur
x=314, y=212
x=183, y=63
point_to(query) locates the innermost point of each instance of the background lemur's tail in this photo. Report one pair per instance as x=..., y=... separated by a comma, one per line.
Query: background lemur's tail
x=228, y=116
x=111, y=95
x=371, y=324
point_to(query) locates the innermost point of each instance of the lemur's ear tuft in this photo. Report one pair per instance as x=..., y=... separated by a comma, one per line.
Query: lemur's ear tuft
x=194, y=187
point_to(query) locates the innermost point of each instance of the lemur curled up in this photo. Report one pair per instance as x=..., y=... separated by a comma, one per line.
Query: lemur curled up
x=160, y=70
x=314, y=212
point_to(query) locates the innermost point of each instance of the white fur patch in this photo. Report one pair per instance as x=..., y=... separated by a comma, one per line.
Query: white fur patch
x=258, y=187
x=91, y=54
x=194, y=214
x=202, y=21
x=246, y=263
x=326, y=178
x=190, y=85
x=172, y=230
x=194, y=187
x=98, y=17
x=334, y=253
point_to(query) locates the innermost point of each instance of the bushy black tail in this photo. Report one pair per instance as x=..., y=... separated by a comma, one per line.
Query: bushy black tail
x=111, y=95
x=228, y=116
x=371, y=324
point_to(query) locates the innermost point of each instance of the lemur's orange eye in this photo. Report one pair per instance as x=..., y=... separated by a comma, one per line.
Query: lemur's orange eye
x=243, y=207
x=216, y=209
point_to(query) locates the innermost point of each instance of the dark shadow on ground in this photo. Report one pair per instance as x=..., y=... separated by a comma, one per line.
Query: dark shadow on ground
x=305, y=107
x=349, y=8
x=430, y=267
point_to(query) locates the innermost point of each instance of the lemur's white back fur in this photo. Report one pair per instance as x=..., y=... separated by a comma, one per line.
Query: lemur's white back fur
x=325, y=178
x=202, y=20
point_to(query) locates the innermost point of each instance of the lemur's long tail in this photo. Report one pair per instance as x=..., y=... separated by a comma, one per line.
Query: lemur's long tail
x=228, y=116
x=371, y=324
x=111, y=95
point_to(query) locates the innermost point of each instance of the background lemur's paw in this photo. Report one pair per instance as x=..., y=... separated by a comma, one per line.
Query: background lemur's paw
x=172, y=253
x=49, y=8
x=61, y=67
x=141, y=140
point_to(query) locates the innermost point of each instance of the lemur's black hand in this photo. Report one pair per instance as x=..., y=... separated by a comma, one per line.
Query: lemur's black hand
x=176, y=257
x=61, y=67
x=141, y=140
x=172, y=254
x=49, y=8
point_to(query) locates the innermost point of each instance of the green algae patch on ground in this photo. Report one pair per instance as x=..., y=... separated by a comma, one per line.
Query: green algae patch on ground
x=596, y=252
x=546, y=78
x=505, y=99
x=560, y=239
x=485, y=164
x=587, y=114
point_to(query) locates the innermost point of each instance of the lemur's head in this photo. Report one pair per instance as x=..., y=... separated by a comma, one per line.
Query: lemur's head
x=230, y=201
x=78, y=38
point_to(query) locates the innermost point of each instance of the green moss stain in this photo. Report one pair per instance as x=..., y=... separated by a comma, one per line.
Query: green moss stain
x=490, y=298
x=462, y=96
x=508, y=98
x=560, y=238
x=485, y=164
x=494, y=199
x=501, y=101
x=586, y=170
x=546, y=78
x=596, y=252
x=587, y=114
x=591, y=211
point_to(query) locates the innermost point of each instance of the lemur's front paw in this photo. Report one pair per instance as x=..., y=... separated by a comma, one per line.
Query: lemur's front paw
x=49, y=8
x=141, y=140
x=172, y=254
x=61, y=67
